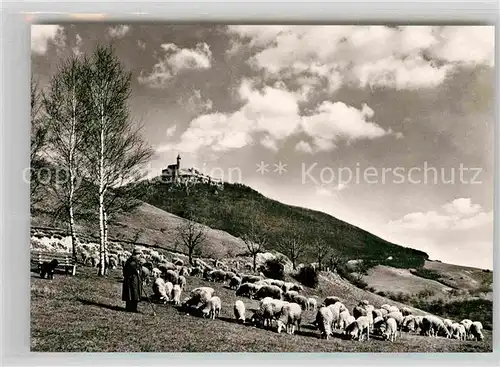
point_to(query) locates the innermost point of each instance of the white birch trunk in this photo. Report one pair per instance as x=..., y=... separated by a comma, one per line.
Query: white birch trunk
x=72, y=148
x=101, y=200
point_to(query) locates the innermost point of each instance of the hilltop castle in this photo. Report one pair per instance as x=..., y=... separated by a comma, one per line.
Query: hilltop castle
x=174, y=173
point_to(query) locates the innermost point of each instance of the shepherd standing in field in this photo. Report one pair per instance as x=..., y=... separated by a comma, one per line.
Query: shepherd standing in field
x=132, y=284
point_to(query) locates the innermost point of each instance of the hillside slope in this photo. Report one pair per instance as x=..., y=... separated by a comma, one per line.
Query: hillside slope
x=152, y=226
x=238, y=210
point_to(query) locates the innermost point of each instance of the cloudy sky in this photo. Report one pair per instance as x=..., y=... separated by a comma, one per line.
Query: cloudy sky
x=388, y=128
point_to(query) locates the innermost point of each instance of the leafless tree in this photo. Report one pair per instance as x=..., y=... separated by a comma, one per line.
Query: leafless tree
x=115, y=150
x=293, y=246
x=321, y=250
x=66, y=114
x=39, y=132
x=255, y=243
x=192, y=236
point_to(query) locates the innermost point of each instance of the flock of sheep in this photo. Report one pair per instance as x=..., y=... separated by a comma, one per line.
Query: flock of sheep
x=282, y=306
x=281, y=303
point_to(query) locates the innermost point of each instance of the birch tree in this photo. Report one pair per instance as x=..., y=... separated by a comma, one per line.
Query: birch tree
x=66, y=115
x=115, y=149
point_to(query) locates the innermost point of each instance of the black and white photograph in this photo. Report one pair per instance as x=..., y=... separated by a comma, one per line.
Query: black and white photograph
x=261, y=188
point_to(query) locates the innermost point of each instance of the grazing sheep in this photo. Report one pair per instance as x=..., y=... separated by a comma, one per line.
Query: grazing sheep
x=359, y=328
x=178, y=261
x=48, y=268
x=212, y=308
x=264, y=315
x=408, y=323
x=159, y=290
x=406, y=311
x=183, y=271
x=302, y=301
x=234, y=282
x=391, y=330
x=393, y=309
x=113, y=262
x=475, y=331
x=288, y=296
x=156, y=273
x=336, y=308
x=461, y=334
x=277, y=283
x=377, y=313
x=216, y=275
x=312, y=304
x=172, y=276
x=239, y=311
x=378, y=324
x=291, y=315
x=182, y=281
x=331, y=300
x=467, y=323
x=397, y=316
x=250, y=279
x=200, y=295
x=176, y=295
x=433, y=326
x=344, y=318
x=385, y=307
x=168, y=289
x=247, y=289
x=269, y=291
x=229, y=275
x=448, y=323
x=324, y=321
x=358, y=311
x=196, y=271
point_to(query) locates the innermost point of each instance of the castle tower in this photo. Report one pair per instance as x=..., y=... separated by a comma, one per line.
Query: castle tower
x=178, y=161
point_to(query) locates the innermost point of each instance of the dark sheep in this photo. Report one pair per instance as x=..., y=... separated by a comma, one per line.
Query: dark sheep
x=47, y=269
x=246, y=289
x=331, y=300
x=172, y=276
x=358, y=311
x=269, y=291
x=250, y=279
x=234, y=282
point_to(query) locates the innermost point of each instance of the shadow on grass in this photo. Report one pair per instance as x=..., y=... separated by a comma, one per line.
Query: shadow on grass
x=109, y=307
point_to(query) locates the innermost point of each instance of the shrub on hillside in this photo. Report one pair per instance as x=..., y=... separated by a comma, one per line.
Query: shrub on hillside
x=308, y=275
x=426, y=273
x=274, y=268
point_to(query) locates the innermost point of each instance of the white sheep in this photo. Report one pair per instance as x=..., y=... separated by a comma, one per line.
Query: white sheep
x=290, y=316
x=359, y=328
x=176, y=295
x=239, y=311
x=168, y=289
x=312, y=303
x=467, y=323
x=324, y=321
x=397, y=316
x=337, y=308
x=159, y=290
x=212, y=308
x=433, y=326
x=391, y=330
x=344, y=318
x=393, y=309
x=475, y=330
x=448, y=323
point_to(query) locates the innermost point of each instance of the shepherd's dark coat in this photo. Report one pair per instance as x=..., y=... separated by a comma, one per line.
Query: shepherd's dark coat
x=132, y=284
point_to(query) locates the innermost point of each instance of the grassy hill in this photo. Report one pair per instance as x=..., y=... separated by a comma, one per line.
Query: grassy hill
x=238, y=209
x=85, y=314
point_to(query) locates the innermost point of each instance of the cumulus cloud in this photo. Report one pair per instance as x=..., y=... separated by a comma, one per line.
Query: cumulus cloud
x=171, y=131
x=41, y=34
x=196, y=102
x=119, y=31
x=274, y=112
x=376, y=56
x=460, y=214
x=304, y=147
x=175, y=60
x=334, y=121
